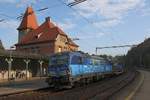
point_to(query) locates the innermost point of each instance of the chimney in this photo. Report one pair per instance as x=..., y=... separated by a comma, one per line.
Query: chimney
x=47, y=19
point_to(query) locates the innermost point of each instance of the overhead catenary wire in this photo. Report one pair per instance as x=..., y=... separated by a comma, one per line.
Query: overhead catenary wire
x=75, y=2
x=39, y=10
x=7, y=16
x=83, y=17
x=86, y=19
x=1, y=20
x=74, y=10
x=118, y=46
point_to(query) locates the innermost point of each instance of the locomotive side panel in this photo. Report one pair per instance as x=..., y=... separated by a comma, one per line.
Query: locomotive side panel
x=84, y=67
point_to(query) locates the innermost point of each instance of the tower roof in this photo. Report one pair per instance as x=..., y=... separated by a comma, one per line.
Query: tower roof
x=29, y=20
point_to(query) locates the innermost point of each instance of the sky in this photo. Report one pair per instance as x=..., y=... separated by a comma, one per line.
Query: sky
x=96, y=23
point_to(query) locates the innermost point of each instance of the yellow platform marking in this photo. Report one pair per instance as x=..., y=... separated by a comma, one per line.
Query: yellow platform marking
x=129, y=97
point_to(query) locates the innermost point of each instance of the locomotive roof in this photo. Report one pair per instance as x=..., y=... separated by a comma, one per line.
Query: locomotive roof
x=80, y=52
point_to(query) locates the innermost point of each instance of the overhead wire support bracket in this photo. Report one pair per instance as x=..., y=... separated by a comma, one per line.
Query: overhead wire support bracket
x=121, y=46
x=75, y=2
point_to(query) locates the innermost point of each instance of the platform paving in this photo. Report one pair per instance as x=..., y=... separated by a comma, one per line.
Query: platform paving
x=21, y=86
x=144, y=91
x=139, y=89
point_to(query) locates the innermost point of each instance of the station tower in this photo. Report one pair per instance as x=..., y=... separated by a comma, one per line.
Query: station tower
x=28, y=23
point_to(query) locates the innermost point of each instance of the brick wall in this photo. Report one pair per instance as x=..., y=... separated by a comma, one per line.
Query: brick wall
x=47, y=48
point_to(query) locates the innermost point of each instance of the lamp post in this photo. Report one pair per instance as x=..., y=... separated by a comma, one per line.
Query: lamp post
x=41, y=63
x=27, y=61
x=9, y=61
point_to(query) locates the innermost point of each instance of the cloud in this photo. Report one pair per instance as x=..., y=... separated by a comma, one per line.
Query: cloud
x=147, y=35
x=91, y=35
x=108, y=9
x=107, y=23
x=67, y=24
x=11, y=24
x=22, y=3
x=7, y=1
x=8, y=33
x=145, y=11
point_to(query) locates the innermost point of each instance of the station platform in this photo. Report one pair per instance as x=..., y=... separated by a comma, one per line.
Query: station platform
x=137, y=90
x=17, y=86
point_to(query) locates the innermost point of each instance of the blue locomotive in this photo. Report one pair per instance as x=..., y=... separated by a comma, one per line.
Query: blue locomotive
x=69, y=68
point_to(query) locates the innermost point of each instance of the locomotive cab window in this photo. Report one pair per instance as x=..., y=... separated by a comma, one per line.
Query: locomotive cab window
x=59, y=59
x=76, y=60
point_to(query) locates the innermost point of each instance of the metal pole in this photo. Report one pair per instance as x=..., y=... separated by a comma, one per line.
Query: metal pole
x=26, y=71
x=9, y=61
x=9, y=70
x=40, y=70
x=10, y=65
x=96, y=51
x=27, y=65
x=41, y=63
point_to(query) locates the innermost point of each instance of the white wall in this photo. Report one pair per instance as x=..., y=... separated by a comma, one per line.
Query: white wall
x=21, y=74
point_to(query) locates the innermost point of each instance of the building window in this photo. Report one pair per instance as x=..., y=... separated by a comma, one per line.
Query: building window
x=59, y=49
x=35, y=50
x=38, y=36
x=62, y=39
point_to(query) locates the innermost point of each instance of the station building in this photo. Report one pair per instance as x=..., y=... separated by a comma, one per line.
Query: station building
x=44, y=39
x=34, y=42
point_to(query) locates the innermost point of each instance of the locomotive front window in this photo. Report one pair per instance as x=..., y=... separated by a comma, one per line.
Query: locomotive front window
x=76, y=60
x=59, y=59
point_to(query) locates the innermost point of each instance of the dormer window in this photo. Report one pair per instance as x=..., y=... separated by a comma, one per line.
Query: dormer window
x=39, y=35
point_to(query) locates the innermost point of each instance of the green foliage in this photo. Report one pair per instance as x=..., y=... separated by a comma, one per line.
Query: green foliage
x=139, y=56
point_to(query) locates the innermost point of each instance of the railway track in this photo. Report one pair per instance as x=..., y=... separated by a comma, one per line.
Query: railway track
x=96, y=91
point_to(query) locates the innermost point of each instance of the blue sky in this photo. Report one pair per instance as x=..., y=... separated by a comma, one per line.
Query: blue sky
x=105, y=22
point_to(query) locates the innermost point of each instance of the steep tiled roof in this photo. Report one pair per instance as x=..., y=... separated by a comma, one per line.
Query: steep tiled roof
x=29, y=20
x=43, y=33
x=72, y=43
x=46, y=32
